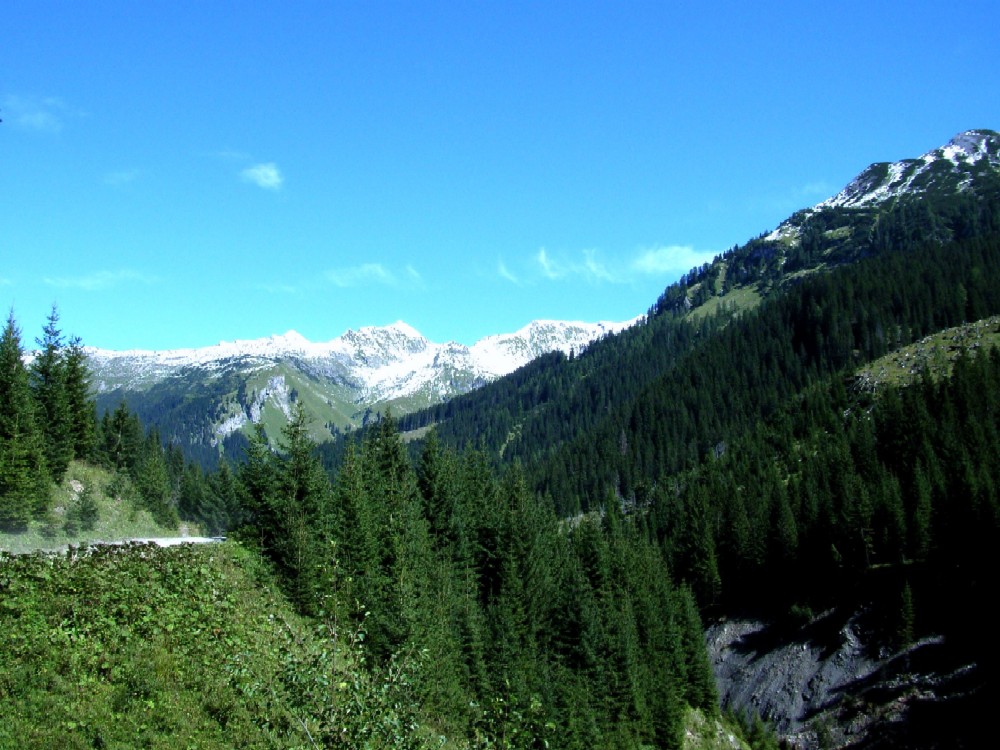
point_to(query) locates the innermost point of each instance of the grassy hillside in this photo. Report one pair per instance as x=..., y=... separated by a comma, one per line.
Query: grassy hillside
x=118, y=515
x=189, y=646
x=935, y=354
x=195, y=646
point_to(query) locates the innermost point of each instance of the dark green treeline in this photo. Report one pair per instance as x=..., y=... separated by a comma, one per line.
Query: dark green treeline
x=48, y=419
x=840, y=483
x=822, y=327
x=526, y=630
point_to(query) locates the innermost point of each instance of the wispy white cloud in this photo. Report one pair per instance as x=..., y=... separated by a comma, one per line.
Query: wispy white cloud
x=593, y=267
x=669, y=259
x=586, y=265
x=41, y=114
x=266, y=176
x=413, y=277
x=230, y=154
x=550, y=268
x=368, y=274
x=121, y=177
x=505, y=273
x=100, y=280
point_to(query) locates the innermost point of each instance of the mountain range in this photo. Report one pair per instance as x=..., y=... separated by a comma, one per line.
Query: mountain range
x=204, y=399
x=205, y=395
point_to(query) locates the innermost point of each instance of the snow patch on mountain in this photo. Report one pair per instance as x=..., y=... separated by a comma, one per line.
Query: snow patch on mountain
x=379, y=363
x=880, y=182
x=883, y=181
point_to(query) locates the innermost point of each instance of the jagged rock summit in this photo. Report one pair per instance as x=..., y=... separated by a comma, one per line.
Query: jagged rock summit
x=361, y=353
x=949, y=167
x=964, y=164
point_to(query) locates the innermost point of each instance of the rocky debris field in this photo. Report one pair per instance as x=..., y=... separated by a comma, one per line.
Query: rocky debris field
x=827, y=683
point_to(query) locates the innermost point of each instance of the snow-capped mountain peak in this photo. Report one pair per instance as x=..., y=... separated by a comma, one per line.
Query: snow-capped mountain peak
x=948, y=168
x=359, y=369
x=886, y=180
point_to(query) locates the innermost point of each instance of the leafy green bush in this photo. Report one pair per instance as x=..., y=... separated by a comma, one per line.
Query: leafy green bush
x=188, y=646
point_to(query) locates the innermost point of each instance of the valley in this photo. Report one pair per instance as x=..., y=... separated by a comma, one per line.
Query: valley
x=768, y=506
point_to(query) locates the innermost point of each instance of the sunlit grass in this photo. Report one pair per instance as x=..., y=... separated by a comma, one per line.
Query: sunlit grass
x=934, y=354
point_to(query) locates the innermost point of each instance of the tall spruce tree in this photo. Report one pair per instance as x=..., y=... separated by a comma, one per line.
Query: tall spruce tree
x=48, y=384
x=82, y=417
x=153, y=482
x=302, y=509
x=23, y=474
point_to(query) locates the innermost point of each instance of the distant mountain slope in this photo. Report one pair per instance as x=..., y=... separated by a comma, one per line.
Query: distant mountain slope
x=731, y=426
x=203, y=396
x=950, y=194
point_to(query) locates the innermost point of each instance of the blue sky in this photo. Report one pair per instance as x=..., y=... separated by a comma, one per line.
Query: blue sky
x=173, y=174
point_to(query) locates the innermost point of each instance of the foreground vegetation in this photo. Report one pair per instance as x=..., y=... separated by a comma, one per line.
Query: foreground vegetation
x=188, y=646
x=197, y=646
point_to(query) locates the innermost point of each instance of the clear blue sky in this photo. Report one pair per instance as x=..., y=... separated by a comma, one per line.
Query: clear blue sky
x=173, y=174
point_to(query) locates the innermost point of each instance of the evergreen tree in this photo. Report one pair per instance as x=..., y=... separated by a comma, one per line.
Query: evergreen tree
x=48, y=385
x=905, y=626
x=700, y=691
x=24, y=479
x=88, y=509
x=121, y=439
x=153, y=482
x=225, y=488
x=300, y=505
x=82, y=418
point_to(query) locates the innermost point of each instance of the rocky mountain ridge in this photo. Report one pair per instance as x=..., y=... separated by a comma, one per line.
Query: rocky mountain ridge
x=381, y=359
x=951, y=168
x=244, y=382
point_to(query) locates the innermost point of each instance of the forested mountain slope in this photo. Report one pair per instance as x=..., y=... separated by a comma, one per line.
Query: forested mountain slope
x=732, y=427
x=434, y=605
x=610, y=388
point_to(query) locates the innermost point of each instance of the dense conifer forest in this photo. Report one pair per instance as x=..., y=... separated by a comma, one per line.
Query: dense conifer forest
x=513, y=627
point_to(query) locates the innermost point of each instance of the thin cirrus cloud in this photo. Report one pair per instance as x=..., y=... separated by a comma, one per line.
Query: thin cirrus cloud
x=590, y=266
x=373, y=273
x=587, y=266
x=506, y=273
x=266, y=176
x=41, y=114
x=99, y=280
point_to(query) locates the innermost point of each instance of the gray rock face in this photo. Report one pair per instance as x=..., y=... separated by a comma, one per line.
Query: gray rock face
x=826, y=684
